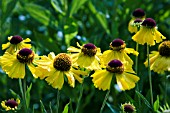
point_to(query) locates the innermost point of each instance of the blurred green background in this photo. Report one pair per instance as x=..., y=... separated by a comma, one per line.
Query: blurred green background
x=54, y=25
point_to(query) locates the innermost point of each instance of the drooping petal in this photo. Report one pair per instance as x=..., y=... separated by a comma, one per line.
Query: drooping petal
x=32, y=68
x=126, y=81
x=73, y=49
x=5, y=46
x=56, y=79
x=102, y=79
x=131, y=50
x=70, y=78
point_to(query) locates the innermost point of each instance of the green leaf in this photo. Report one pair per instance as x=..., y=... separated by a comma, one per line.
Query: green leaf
x=56, y=6
x=7, y=8
x=144, y=99
x=70, y=30
x=28, y=95
x=43, y=110
x=66, y=108
x=45, y=41
x=75, y=6
x=156, y=104
x=41, y=14
x=14, y=94
x=111, y=108
x=100, y=16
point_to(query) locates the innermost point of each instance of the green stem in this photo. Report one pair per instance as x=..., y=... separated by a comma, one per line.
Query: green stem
x=80, y=96
x=23, y=95
x=136, y=67
x=58, y=101
x=149, y=73
x=104, y=101
x=165, y=93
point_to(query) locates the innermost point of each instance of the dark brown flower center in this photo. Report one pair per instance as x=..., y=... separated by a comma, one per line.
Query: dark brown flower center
x=138, y=20
x=16, y=39
x=11, y=103
x=115, y=66
x=117, y=45
x=89, y=49
x=164, y=49
x=62, y=62
x=138, y=13
x=149, y=22
x=128, y=108
x=25, y=55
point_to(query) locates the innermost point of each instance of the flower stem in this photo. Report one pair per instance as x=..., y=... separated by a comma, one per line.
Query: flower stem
x=149, y=73
x=23, y=95
x=104, y=101
x=165, y=93
x=136, y=67
x=58, y=101
x=80, y=96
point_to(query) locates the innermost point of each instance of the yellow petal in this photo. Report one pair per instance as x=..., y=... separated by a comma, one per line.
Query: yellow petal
x=27, y=40
x=4, y=46
x=33, y=70
x=70, y=78
x=73, y=49
x=17, y=70
x=131, y=50
x=59, y=80
x=102, y=79
x=159, y=36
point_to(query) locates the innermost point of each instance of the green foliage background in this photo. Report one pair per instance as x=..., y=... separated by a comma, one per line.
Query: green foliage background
x=54, y=25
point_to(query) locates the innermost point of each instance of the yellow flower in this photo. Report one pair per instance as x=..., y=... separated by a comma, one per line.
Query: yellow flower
x=134, y=23
x=11, y=104
x=86, y=57
x=128, y=108
x=125, y=79
x=16, y=43
x=160, y=60
x=14, y=64
x=54, y=68
x=148, y=33
x=118, y=51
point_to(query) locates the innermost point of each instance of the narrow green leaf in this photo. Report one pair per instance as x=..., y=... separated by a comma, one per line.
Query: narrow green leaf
x=51, y=111
x=7, y=8
x=28, y=95
x=14, y=94
x=100, y=16
x=111, y=108
x=70, y=30
x=75, y=6
x=144, y=99
x=43, y=110
x=156, y=104
x=56, y=6
x=40, y=14
x=66, y=108
x=45, y=41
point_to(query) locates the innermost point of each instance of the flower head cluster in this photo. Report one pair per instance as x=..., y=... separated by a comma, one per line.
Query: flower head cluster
x=160, y=60
x=10, y=104
x=138, y=16
x=128, y=108
x=148, y=33
x=86, y=57
x=14, y=64
x=125, y=79
x=54, y=68
x=16, y=43
x=118, y=51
